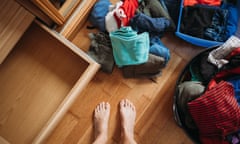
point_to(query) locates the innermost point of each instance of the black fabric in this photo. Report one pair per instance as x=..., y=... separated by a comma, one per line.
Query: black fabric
x=202, y=70
x=173, y=7
x=207, y=69
x=196, y=19
x=234, y=62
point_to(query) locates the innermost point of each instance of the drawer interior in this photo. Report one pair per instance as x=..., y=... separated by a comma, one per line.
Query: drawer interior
x=35, y=78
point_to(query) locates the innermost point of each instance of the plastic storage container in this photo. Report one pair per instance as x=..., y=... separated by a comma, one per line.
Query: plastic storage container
x=191, y=39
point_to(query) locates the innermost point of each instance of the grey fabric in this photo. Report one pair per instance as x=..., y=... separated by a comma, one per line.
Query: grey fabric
x=152, y=68
x=101, y=51
x=188, y=91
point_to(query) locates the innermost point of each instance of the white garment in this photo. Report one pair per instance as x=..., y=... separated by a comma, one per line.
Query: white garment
x=217, y=56
x=110, y=20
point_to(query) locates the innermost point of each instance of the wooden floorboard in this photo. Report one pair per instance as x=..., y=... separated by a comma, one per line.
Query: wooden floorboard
x=155, y=122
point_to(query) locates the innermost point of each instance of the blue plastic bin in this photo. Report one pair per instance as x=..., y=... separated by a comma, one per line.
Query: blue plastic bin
x=191, y=39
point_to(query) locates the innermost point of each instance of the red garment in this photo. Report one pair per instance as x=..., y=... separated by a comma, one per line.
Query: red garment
x=216, y=113
x=190, y=2
x=207, y=2
x=117, y=20
x=129, y=7
x=233, y=53
x=223, y=74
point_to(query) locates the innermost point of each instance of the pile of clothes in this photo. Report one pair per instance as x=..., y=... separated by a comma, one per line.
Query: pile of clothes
x=214, y=20
x=129, y=36
x=208, y=97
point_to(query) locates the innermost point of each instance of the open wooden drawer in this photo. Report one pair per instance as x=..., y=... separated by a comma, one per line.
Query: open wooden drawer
x=39, y=80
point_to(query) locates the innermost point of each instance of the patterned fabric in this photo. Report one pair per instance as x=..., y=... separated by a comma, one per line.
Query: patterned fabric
x=112, y=23
x=129, y=7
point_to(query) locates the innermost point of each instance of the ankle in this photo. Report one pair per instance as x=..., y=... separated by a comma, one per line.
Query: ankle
x=128, y=138
x=128, y=133
x=101, y=139
x=128, y=130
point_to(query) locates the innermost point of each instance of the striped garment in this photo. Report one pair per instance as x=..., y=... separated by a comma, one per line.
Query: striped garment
x=216, y=113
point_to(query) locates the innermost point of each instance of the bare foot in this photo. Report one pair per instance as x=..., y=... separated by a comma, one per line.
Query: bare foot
x=128, y=116
x=101, y=118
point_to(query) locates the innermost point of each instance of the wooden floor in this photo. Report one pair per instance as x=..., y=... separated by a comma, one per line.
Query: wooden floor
x=153, y=100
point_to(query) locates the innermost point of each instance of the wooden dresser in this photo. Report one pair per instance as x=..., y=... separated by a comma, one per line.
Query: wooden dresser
x=41, y=74
x=14, y=21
